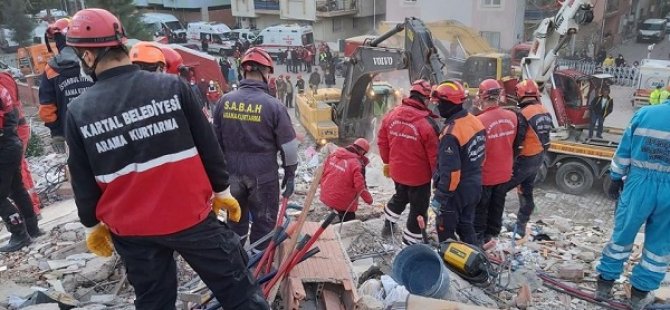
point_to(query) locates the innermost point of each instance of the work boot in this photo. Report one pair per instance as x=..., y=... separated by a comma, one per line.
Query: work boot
x=388, y=229
x=19, y=238
x=517, y=229
x=604, y=289
x=639, y=299
x=32, y=228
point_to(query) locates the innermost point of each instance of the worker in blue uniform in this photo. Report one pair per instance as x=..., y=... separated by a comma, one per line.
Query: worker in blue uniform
x=252, y=127
x=642, y=163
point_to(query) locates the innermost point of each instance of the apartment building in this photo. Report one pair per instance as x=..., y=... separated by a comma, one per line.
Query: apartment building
x=330, y=19
x=191, y=10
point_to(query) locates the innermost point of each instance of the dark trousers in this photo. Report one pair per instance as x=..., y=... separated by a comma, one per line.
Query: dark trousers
x=418, y=198
x=289, y=100
x=308, y=66
x=597, y=122
x=289, y=65
x=346, y=216
x=458, y=215
x=260, y=200
x=210, y=248
x=11, y=184
x=489, y=211
x=525, y=169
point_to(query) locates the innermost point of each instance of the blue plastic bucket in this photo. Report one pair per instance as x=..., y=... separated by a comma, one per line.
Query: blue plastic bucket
x=420, y=269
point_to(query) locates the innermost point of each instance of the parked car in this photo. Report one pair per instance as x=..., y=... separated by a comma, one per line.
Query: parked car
x=652, y=30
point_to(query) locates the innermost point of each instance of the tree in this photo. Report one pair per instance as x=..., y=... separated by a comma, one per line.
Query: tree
x=130, y=17
x=14, y=15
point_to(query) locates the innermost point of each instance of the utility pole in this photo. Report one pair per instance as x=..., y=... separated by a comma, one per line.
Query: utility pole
x=374, y=15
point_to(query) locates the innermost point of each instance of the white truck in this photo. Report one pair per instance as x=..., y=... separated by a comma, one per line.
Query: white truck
x=653, y=73
x=161, y=23
x=7, y=43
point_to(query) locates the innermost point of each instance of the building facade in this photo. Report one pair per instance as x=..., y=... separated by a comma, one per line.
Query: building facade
x=500, y=22
x=191, y=10
x=330, y=19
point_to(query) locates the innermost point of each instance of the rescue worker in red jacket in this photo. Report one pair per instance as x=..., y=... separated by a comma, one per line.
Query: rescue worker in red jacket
x=24, y=134
x=537, y=123
x=343, y=179
x=408, y=140
x=60, y=83
x=21, y=220
x=503, y=139
x=252, y=128
x=458, y=179
x=145, y=164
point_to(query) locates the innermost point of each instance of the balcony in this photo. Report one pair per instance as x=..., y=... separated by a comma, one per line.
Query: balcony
x=333, y=8
x=267, y=6
x=537, y=14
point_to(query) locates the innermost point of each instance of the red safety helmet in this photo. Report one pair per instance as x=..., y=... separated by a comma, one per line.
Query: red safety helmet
x=299, y=76
x=173, y=60
x=527, y=88
x=95, y=28
x=489, y=89
x=452, y=91
x=362, y=144
x=59, y=26
x=258, y=56
x=421, y=87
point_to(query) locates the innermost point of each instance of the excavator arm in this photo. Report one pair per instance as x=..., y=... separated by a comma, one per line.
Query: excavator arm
x=550, y=36
x=353, y=113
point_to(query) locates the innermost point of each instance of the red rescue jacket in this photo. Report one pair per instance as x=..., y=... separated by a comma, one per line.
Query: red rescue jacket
x=408, y=141
x=343, y=179
x=501, y=142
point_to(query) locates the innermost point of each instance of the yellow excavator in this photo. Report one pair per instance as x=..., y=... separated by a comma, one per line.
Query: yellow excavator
x=355, y=110
x=467, y=55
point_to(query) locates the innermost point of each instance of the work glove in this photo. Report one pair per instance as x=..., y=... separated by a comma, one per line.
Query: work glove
x=436, y=206
x=367, y=197
x=225, y=201
x=58, y=144
x=288, y=183
x=99, y=240
x=387, y=170
x=615, y=189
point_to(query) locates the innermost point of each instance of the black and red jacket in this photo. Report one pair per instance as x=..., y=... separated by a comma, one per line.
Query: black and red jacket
x=9, y=112
x=143, y=158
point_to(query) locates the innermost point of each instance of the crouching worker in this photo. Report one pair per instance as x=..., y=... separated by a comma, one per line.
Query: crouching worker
x=343, y=179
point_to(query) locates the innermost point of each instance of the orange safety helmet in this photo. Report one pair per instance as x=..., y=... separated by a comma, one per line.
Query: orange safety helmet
x=254, y=57
x=489, y=89
x=421, y=87
x=527, y=88
x=95, y=28
x=173, y=60
x=147, y=52
x=362, y=144
x=452, y=91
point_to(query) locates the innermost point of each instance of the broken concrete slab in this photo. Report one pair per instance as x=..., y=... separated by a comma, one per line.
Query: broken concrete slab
x=367, y=302
x=9, y=288
x=98, y=269
x=571, y=272
x=61, y=263
x=49, y=306
x=103, y=298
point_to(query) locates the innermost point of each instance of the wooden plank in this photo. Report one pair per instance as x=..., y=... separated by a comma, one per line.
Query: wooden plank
x=332, y=300
x=295, y=234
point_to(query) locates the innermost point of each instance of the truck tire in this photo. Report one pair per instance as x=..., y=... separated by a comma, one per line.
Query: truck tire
x=574, y=177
